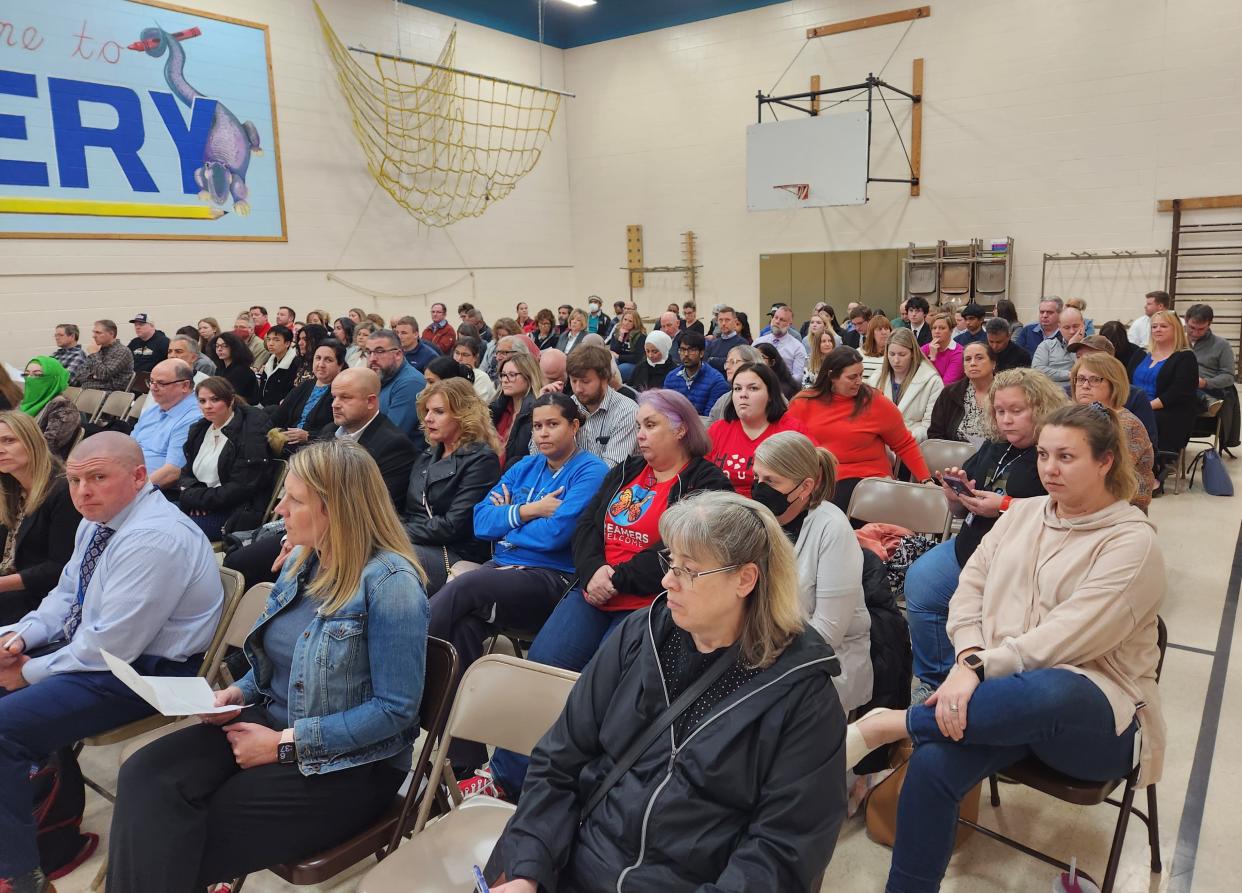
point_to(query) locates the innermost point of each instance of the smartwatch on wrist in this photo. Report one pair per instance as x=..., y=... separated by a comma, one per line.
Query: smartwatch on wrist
x=287, y=750
x=1005, y=501
x=974, y=662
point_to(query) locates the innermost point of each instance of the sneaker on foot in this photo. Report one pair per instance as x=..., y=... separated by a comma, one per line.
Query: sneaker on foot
x=30, y=882
x=480, y=783
x=921, y=693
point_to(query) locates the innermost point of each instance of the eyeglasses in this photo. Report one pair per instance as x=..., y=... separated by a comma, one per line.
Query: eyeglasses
x=379, y=351
x=1088, y=381
x=156, y=383
x=682, y=575
x=511, y=376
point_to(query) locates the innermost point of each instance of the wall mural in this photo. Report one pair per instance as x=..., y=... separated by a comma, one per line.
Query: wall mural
x=135, y=119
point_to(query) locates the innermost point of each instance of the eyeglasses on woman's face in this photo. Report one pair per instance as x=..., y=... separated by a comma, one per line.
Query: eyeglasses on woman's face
x=511, y=376
x=1088, y=381
x=685, y=576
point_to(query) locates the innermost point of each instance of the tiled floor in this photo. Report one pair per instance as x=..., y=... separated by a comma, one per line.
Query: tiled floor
x=1199, y=534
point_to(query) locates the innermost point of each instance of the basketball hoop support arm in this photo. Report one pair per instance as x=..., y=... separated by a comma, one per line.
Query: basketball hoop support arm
x=872, y=86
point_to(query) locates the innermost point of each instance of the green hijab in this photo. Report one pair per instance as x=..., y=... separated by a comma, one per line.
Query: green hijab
x=42, y=389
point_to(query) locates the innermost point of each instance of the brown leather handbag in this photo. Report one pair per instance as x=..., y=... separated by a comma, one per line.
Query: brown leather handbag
x=880, y=811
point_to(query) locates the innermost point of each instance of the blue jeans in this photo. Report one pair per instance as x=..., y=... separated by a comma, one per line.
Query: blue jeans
x=626, y=370
x=41, y=718
x=930, y=583
x=1059, y=716
x=568, y=639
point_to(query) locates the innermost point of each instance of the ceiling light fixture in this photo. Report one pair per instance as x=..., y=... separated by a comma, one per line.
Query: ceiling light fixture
x=579, y=3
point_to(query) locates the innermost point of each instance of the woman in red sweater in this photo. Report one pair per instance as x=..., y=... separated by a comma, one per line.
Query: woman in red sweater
x=855, y=422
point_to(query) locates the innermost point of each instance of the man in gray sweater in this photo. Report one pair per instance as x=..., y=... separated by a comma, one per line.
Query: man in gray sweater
x=1216, y=362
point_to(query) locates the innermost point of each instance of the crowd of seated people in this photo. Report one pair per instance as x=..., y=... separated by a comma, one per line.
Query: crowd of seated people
x=541, y=497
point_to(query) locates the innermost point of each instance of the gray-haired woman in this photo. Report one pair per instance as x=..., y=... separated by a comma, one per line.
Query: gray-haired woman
x=755, y=765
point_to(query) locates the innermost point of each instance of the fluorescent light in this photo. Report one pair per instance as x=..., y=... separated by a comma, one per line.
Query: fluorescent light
x=579, y=2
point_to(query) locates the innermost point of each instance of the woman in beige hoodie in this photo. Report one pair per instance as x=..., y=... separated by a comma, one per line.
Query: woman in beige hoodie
x=1054, y=627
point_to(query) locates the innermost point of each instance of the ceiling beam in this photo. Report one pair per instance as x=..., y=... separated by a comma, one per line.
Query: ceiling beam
x=887, y=18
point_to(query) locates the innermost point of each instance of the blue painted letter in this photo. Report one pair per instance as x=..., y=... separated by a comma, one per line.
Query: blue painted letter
x=13, y=127
x=191, y=142
x=72, y=136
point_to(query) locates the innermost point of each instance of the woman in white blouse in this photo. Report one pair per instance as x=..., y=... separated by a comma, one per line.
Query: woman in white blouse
x=795, y=479
x=226, y=481
x=909, y=380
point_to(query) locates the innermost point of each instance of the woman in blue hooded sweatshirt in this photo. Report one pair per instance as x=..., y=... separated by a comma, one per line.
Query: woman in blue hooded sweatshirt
x=530, y=515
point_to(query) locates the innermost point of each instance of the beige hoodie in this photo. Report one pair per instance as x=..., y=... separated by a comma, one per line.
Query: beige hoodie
x=1080, y=594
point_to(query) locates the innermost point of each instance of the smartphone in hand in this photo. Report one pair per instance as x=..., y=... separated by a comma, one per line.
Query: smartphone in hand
x=957, y=485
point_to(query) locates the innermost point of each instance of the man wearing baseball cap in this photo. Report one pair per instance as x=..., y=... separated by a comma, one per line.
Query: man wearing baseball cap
x=972, y=316
x=1139, y=402
x=150, y=346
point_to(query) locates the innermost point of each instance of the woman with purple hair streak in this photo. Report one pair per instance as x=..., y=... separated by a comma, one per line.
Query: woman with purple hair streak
x=617, y=543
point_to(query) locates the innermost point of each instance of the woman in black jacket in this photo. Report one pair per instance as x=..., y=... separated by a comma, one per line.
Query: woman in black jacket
x=282, y=367
x=755, y=765
x=617, y=541
x=1170, y=376
x=38, y=521
x=651, y=372
x=308, y=407
x=520, y=381
x=225, y=483
x=234, y=361
x=449, y=478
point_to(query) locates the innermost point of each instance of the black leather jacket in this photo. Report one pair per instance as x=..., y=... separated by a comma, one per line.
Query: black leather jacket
x=751, y=800
x=450, y=488
x=244, y=467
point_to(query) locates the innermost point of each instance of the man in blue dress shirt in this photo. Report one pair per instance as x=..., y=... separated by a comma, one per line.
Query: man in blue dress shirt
x=161, y=433
x=143, y=584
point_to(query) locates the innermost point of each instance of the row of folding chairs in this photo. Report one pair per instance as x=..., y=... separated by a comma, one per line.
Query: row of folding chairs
x=96, y=405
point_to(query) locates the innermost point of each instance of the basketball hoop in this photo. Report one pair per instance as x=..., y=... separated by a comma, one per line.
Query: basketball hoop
x=801, y=190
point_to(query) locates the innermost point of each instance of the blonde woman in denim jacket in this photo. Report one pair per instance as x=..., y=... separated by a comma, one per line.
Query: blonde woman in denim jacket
x=327, y=714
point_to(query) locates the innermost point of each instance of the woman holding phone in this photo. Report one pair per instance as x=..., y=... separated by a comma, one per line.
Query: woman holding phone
x=1003, y=470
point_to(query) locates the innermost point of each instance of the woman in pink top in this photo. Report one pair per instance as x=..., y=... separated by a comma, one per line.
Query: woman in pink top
x=945, y=353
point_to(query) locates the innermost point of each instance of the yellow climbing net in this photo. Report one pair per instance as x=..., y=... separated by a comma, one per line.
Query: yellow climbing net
x=443, y=142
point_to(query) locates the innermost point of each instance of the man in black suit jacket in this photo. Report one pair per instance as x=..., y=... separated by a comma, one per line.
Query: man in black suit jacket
x=917, y=309
x=356, y=415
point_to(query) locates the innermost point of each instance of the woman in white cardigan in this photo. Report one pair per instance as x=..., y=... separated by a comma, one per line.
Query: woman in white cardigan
x=910, y=381
x=795, y=479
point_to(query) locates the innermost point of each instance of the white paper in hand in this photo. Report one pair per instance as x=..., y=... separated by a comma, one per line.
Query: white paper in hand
x=170, y=695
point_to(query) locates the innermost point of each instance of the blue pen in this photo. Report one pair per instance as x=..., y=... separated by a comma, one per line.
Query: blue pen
x=480, y=882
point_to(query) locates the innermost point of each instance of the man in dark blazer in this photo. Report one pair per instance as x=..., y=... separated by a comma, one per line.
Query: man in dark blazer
x=356, y=415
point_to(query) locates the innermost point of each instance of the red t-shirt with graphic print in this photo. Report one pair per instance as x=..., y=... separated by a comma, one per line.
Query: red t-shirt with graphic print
x=631, y=524
x=734, y=452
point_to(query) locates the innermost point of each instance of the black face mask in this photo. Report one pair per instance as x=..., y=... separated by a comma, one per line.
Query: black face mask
x=769, y=497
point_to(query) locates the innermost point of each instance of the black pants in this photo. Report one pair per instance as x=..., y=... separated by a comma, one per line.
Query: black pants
x=187, y=816
x=254, y=562
x=472, y=607
x=840, y=498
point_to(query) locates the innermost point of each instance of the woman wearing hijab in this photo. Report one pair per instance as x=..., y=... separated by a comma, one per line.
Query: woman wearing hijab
x=651, y=372
x=44, y=400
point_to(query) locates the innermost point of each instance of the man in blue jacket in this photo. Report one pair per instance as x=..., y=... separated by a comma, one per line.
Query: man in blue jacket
x=418, y=353
x=701, y=384
x=1035, y=333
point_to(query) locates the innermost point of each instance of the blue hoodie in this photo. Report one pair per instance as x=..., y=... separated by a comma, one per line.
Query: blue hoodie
x=540, y=542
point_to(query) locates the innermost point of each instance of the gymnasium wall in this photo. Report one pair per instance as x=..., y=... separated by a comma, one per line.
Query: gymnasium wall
x=1056, y=123
x=337, y=221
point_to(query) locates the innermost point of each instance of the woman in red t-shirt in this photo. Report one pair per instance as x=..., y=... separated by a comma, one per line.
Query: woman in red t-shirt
x=754, y=413
x=855, y=422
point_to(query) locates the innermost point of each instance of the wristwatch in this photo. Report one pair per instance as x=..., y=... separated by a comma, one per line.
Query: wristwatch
x=287, y=750
x=974, y=662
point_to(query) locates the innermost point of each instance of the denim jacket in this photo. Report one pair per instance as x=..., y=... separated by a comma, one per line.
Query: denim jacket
x=357, y=675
